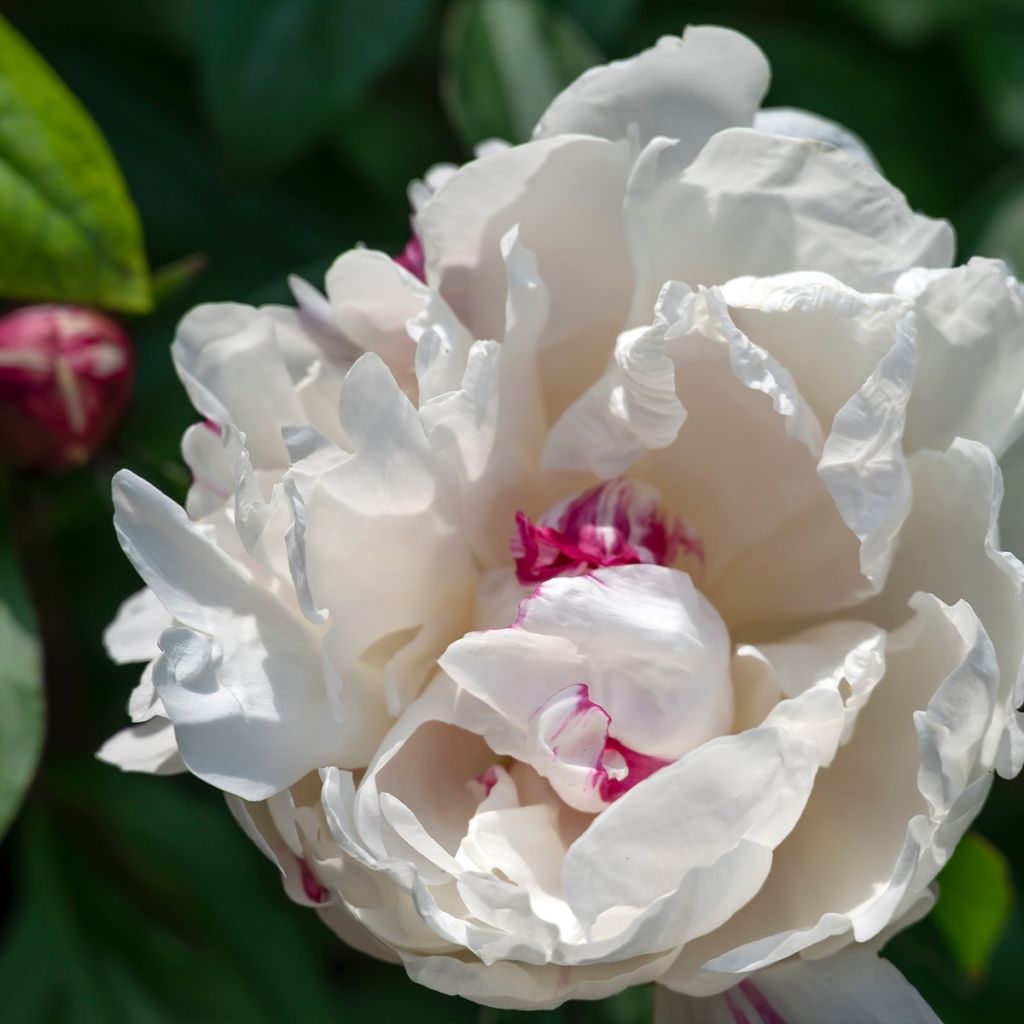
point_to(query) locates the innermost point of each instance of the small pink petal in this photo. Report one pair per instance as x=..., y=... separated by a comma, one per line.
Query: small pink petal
x=412, y=258
x=310, y=884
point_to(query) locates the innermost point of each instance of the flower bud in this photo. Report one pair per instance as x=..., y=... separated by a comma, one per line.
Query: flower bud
x=66, y=377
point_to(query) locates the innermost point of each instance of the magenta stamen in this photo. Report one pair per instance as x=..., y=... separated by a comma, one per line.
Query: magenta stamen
x=615, y=523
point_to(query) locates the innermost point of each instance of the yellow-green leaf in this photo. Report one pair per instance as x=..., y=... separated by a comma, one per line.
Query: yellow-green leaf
x=70, y=231
x=975, y=897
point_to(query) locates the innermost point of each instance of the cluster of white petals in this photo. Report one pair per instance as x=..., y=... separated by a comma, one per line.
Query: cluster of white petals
x=625, y=601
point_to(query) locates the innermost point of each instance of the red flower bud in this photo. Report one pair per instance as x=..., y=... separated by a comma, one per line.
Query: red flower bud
x=66, y=377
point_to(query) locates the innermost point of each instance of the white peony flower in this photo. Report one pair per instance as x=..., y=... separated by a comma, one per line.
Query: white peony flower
x=625, y=602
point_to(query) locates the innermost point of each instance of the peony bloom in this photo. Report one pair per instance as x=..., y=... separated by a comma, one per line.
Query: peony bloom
x=66, y=377
x=622, y=602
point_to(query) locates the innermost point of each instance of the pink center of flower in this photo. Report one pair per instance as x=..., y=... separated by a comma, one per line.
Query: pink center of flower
x=615, y=523
x=570, y=745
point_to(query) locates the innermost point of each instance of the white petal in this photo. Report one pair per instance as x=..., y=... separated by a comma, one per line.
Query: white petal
x=957, y=494
x=970, y=382
x=383, y=515
x=761, y=204
x=912, y=774
x=576, y=232
x=854, y=986
x=688, y=89
x=373, y=298
x=241, y=679
x=136, y=628
x=802, y=124
x=749, y=788
x=641, y=637
x=827, y=335
x=835, y=665
x=149, y=747
x=863, y=464
x=202, y=448
x=490, y=430
x=632, y=409
x=259, y=825
x=144, y=702
x=229, y=360
x=518, y=986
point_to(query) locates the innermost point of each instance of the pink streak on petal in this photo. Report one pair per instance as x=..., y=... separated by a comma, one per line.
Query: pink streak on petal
x=758, y=1000
x=638, y=766
x=609, y=784
x=310, y=885
x=738, y=1016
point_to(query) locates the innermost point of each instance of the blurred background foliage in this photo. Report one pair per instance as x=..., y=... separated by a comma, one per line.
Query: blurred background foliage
x=262, y=137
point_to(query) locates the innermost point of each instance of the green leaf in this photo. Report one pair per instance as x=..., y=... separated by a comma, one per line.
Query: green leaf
x=975, y=898
x=172, y=278
x=139, y=899
x=71, y=232
x=21, y=693
x=504, y=61
x=277, y=74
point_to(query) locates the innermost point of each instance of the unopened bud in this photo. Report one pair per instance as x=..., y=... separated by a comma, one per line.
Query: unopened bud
x=66, y=377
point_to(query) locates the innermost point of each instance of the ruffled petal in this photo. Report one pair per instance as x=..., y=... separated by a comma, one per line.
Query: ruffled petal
x=950, y=547
x=576, y=233
x=664, y=836
x=855, y=985
x=149, y=747
x=241, y=676
x=770, y=517
x=970, y=382
x=372, y=299
x=384, y=514
x=687, y=89
x=230, y=362
x=913, y=774
x=135, y=631
x=647, y=644
x=752, y=203
x=488, y=431
x=802, y=124
x=517, y=986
